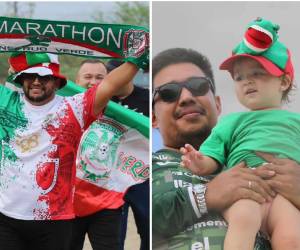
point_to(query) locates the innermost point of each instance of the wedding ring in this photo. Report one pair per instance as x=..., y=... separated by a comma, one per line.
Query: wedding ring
x=250, y=184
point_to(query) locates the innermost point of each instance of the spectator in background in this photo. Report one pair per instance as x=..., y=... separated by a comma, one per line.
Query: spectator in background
x=98, y=206
x=90, y=73
x=137, y=196
x=102, y=226
x=133, y=97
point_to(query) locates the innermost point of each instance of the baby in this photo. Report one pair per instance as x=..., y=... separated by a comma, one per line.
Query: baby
x=263, y=74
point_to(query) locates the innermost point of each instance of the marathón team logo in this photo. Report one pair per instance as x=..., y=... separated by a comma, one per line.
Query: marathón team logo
x=98, y=149
x=135, y=43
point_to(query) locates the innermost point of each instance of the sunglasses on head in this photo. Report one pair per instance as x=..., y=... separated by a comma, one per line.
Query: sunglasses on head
x=42, y=79
x=170, y=92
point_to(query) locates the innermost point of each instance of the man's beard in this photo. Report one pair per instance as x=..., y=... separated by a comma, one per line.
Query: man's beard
x=195, y=138
x=37, y=99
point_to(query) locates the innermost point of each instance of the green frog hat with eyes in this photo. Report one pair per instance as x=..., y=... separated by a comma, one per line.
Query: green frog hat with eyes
x=260, y=42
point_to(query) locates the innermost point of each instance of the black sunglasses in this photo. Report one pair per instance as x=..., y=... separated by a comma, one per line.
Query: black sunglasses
x=42, y=79
x=170, y=92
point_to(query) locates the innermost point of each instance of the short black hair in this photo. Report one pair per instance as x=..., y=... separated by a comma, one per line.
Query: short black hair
x=182, y=55
x=93, y=61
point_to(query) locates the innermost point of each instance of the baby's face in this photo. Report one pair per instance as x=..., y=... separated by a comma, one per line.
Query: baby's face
x=255, y=88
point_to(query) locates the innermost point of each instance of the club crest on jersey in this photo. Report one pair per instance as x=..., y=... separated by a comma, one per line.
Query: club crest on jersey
x=98, y=150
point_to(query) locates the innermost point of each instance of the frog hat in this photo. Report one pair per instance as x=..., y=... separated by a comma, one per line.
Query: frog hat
x=260, y=42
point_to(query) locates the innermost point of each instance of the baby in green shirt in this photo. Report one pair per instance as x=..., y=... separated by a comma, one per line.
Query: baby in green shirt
x=263, y=74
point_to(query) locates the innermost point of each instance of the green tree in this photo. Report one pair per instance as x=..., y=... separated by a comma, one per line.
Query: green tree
x=134, y=13
x=3, y=66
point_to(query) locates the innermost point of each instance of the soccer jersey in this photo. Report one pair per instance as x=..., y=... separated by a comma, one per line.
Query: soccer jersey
x=38, y=150
x=111, y=158
x=175, y=223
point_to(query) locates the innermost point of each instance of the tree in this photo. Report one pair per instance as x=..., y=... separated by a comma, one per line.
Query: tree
x=3, y=66
x=134, y=13
x=14, y=9
x=20, y=9
x=70, y=65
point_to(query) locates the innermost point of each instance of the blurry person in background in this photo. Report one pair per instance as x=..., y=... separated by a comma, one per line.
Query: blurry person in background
x=90, y=73
x=98, y=200
x=132, y=96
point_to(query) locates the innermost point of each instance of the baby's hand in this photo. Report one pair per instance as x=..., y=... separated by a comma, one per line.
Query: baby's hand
x=191, y=158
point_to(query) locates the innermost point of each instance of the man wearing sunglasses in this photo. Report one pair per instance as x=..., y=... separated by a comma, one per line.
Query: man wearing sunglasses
x=185, y=109
x=40, y=132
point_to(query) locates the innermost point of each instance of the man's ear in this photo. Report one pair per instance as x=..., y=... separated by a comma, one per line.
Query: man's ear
x=218, y=104
x=286, y=83
x=154, y=120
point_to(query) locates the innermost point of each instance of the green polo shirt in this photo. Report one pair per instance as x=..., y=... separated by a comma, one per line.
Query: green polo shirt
x=175, y=223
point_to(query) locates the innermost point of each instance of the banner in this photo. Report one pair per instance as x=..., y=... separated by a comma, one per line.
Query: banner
x=73, y=38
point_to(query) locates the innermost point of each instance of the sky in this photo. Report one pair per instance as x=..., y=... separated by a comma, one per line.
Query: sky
x=75, y=11
x=69, y=11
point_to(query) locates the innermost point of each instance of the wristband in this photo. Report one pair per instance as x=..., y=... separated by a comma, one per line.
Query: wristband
x=199, y=194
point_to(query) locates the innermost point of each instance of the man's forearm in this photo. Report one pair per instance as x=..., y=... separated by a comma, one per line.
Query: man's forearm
x=174, y=211
x=121, y=76
x=112, y=83
x=125, y=91
x=174, y=206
